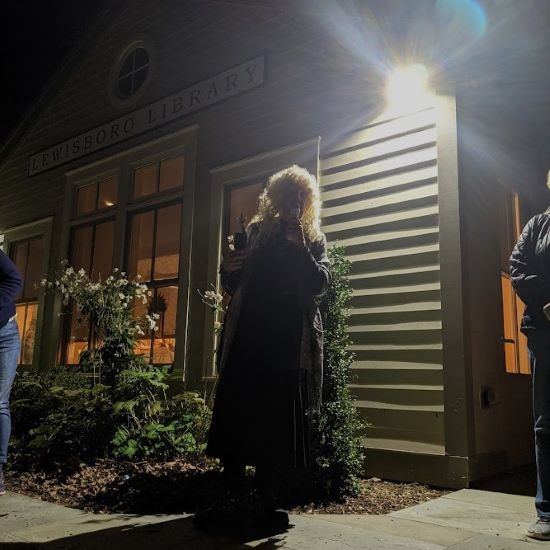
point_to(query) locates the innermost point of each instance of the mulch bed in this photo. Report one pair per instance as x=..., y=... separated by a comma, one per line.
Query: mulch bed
x=178, y=486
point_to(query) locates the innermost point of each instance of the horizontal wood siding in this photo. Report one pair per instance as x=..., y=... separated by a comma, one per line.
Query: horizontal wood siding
x=380, y=201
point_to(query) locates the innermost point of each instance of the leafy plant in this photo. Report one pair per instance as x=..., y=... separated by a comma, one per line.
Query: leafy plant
x=337, y=442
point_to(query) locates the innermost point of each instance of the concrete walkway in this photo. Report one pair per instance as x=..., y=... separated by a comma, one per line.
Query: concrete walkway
x=467, y=519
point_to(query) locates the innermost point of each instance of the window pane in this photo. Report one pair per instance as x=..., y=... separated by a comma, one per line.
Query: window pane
x=81, y=248
x=108, y=192
x=128, y=65
x=125, y=87
x=86, y=199
x=143, y=343
x=102, y=263
x=141, y=245
x=78, y=339
x=164, y=304
x=171, y=173
x=167, y=246
x=142, y=58
x=19, y=254
x=28, y=334
x=243, y=200
x=34, y=267
x=139, y=79
x=145, y=180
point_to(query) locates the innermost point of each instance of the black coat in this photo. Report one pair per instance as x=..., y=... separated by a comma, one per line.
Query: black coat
x=530, y=271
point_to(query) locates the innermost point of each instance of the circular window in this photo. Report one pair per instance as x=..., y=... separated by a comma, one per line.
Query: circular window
x=132, y=71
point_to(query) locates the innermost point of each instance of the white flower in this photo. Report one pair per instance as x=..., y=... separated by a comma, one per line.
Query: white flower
x=81, y=272
x=43, y=282
x=121, y=296
x=210, y=295
x=149, y=293
x=217, y=325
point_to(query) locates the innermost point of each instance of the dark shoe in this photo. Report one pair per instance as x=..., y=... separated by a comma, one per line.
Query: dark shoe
x=222, y=517
x=540, y=530
x=271, y=523
x=2, y=484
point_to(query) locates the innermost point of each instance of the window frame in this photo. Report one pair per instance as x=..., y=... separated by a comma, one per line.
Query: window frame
x=181, y=142
x=39, y=228
x=251, y=169
x=155, y=284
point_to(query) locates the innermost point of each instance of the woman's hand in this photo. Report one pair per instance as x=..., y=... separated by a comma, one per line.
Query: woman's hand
x=295, y=232
x=233, y=260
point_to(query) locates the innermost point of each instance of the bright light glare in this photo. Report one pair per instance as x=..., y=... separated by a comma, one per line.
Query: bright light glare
x=407, y=88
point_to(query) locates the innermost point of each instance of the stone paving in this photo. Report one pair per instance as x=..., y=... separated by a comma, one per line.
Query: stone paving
x=466, y=519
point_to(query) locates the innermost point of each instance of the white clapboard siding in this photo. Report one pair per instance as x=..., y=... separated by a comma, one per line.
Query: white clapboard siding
x=380, y=201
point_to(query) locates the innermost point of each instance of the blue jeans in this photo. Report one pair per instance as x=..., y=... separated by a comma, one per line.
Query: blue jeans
x=538, y=342
x=10, y=346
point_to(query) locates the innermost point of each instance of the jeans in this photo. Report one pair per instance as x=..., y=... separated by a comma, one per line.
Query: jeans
x=10, y=346
x=538, y=342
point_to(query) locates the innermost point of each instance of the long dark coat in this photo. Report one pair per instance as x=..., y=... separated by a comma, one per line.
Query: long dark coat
x=530, y=271
x=270, y=357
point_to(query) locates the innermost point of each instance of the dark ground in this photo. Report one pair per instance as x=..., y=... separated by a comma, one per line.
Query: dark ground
x=175, y=487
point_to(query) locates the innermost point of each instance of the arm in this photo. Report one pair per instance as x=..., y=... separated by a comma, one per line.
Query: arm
x=11, y=282
x=316, y=267
x=230, y=279
x=531, y=287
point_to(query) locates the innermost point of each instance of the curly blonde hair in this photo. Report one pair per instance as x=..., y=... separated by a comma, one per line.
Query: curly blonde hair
x=271, y=199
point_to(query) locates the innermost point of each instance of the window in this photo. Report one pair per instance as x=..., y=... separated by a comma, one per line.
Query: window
x=92, y=250
x=242, y=201
x=28, y=256
x=515, y=343
x=132, y=72
x=96, y=196
x=154, y=253
x=157, y=177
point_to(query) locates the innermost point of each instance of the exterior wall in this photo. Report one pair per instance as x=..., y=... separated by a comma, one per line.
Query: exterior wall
x=380, y=180
x=495, y=154
x=380, y=201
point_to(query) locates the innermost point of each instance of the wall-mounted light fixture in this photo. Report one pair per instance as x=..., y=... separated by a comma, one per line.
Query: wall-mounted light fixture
x=408, y=88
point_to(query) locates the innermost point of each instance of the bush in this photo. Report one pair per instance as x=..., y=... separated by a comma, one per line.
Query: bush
x=60, y=417
x=337, y=436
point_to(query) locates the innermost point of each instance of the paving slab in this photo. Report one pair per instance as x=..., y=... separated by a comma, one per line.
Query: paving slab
x=436, y=534
x=470, y=515
x=515, y=503
x=467, y=519
x=490, y=542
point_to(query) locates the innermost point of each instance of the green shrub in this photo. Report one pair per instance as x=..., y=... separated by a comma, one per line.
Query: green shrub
x=60, y=417
x=337, y=436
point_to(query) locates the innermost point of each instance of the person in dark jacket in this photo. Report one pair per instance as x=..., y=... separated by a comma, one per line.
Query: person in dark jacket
x=270, y=356
x=10, y=345
x=530, y=273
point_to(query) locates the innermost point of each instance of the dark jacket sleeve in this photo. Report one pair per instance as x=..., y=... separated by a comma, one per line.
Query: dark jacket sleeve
x=11, y=282
x=230, y=281
x=316, y=267
x=530, y=286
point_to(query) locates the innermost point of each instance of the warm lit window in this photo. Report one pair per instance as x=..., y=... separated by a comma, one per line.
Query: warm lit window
x=96, y=196
x=92, y=250
x=242, y=201
x=515, y=343
x=28, y=256
x=154, y=253
x=158, y=177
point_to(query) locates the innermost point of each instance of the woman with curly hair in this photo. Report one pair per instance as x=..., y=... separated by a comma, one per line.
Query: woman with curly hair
x=270, y=355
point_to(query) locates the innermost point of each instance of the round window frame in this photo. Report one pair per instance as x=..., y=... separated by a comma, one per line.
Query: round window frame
x=137, y=42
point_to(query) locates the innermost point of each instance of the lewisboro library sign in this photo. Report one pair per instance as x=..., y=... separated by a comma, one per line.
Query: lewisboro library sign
x=234, y=81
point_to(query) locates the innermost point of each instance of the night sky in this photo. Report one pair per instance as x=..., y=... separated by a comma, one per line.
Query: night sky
x=36, y=37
